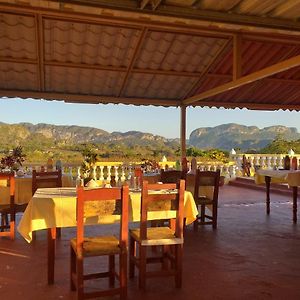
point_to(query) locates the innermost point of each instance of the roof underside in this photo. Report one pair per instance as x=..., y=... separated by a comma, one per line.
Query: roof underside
x=231, y=53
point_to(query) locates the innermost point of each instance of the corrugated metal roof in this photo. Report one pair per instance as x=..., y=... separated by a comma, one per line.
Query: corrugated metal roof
x=170, y=51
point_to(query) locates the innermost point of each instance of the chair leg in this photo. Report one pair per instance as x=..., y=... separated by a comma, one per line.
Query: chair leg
x=12, y=228
x=178, y=257
x=131, y=256
x=142, y=267
x=202, y=215
x=111, y=266
x=79, y=279
x=165, y=264
x=58, y=232
x=195, y=224
x=123, y=274
x=215, y=216
x=72, y=268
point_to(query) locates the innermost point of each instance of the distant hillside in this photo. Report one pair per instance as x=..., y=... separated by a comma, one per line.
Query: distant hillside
x=225, y=137
x=232, y=135
x=71, y=135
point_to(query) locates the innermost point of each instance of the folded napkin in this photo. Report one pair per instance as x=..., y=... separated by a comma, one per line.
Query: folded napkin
x=92, y=184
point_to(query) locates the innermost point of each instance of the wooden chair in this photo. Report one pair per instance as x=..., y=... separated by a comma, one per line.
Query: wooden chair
x=93, y=203
x=46, y=180
x=7, y=211
x=170, y=239
x=206, y=180
x=171, y=176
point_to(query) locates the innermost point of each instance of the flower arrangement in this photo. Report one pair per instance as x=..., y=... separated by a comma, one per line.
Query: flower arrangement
x=149, y=165
x=13, y=160
x=89, y=160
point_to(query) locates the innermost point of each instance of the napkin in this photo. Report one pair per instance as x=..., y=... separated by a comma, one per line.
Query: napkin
x=92, y=184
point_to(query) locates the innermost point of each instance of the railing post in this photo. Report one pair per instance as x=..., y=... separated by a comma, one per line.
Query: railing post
x=108, y=173
x=94, y=173
x=269, y=162
x=123, y=177
x=101, y=173
x=280, y=165
x=116, y=173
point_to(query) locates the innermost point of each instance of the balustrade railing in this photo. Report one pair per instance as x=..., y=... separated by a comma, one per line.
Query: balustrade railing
x=264, y=161
x=103, y=171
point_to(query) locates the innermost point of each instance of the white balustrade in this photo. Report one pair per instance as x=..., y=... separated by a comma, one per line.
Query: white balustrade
x=108, y=173
x=269, y=166
x=123, y=178
x=116, y=173
x=94, y=173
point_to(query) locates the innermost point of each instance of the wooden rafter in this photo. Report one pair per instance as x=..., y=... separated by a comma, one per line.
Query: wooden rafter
x=253, y=77
x=218, y=54
x=134, y=58
x=268, y=79
x=154, y=3
x=116, y=13
x=237, y=57
x=192, y=13
x=40, y=51
x=78, y=98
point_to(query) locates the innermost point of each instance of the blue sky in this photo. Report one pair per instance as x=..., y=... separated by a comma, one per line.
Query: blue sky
x=156, y=120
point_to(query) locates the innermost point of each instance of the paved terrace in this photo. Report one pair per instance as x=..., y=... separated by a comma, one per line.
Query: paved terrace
x=250, y=256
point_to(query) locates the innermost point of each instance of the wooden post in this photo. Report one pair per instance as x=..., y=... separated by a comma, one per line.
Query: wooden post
x=183, y=131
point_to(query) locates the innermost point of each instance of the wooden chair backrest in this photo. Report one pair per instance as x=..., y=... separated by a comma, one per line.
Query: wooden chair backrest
x=10, y=178
x=161, y=197
x=205, y=179
x=171, y=176
x=102, y=202
x=46, y=179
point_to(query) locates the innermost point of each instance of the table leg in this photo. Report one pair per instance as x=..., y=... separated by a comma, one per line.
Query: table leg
x=295, y=195
x=51, y=234
x=268, y=182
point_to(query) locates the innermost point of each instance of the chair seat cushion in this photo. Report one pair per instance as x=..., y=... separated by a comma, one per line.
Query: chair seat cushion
x=97, y=246
x=157, y=236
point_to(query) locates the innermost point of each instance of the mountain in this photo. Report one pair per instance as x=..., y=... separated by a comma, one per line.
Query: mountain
x=225, y=137
x=228, y=136
x=70, y=135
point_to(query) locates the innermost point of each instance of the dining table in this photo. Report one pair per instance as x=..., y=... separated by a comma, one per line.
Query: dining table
x=50, y=208
x=290, y=177
x=23, y=188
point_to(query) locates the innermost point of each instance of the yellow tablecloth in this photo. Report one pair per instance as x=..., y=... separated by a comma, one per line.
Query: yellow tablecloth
x=292, y=178
x=23, y=189
x=56, y=207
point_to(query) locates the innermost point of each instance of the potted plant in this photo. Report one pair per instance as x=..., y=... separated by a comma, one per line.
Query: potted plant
x=13, y=160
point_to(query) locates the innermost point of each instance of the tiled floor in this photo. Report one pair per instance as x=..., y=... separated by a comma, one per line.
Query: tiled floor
x=250, y=256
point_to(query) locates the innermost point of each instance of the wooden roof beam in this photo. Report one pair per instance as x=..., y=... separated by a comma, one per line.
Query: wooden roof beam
x=86, y=99
x=250, y=78
x=192, y=13
x=40, y=51
x=249, y=105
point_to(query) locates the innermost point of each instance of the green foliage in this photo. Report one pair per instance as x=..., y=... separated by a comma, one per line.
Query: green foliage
x=89, y=160
x=281, y=146
x=213, y=154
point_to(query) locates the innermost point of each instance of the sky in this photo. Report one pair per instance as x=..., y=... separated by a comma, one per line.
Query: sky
x=156, y=120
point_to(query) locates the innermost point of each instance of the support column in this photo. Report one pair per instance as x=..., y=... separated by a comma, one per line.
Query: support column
x=183, y=132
